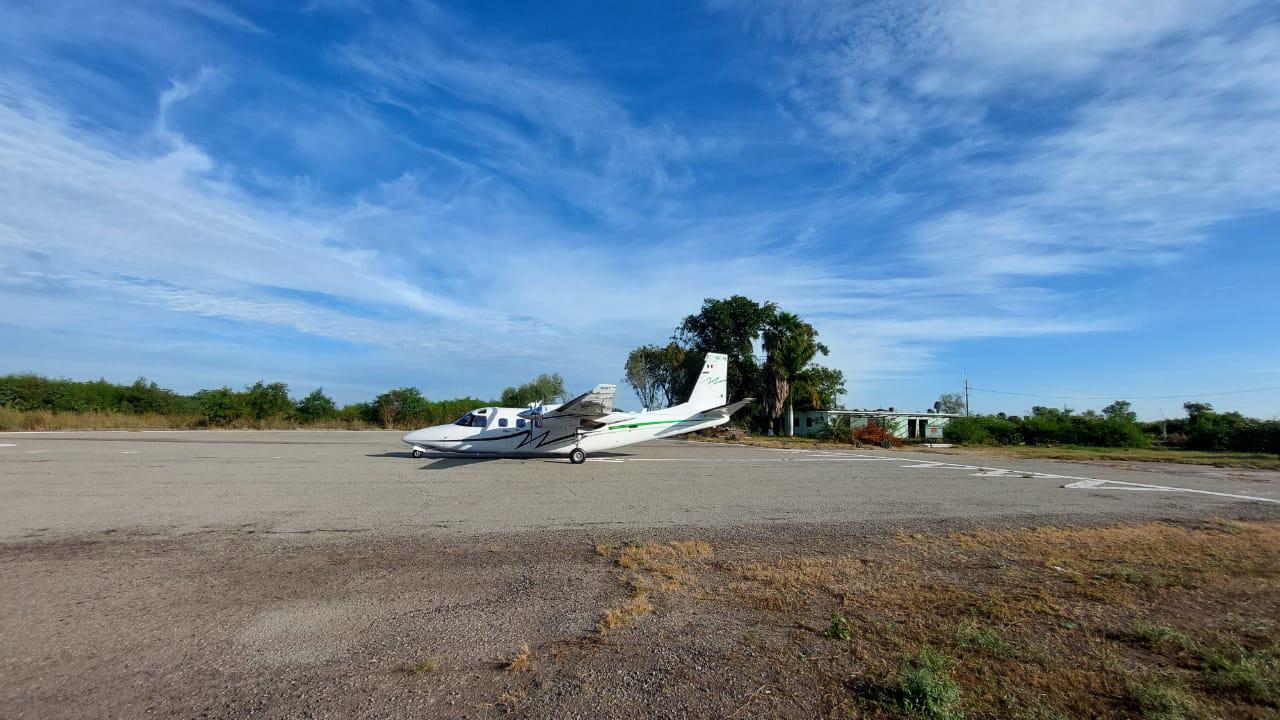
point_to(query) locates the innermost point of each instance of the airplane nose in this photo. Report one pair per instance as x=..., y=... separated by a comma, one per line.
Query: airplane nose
x=413, y=438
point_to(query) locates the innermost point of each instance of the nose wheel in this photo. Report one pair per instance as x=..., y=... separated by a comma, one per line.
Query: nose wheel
x=577, y=456
x=417, y=453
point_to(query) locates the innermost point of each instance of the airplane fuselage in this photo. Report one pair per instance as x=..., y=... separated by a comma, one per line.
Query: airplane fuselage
x=502, y=432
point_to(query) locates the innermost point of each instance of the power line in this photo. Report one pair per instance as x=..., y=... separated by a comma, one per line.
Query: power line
x=1179, y=396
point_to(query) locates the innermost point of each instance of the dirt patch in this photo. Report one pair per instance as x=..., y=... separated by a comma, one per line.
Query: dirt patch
x=1142, y=620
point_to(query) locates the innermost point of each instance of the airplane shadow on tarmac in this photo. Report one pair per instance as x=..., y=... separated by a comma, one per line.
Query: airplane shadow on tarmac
x=446, y=461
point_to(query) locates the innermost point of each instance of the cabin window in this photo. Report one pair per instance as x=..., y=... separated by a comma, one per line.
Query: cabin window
x=520, y=422
x=502, y=422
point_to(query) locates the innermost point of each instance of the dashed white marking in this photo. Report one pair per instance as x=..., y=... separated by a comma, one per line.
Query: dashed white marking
x=1142, y=487
x=608, y=460
x=128, y=452
x=1081, y=483
x=8, y=445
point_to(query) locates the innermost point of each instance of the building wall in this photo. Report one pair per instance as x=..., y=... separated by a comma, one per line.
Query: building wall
x=812, y=423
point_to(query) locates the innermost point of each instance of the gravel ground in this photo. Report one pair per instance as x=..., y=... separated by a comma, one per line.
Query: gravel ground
x=67, y=484
x=306, y=574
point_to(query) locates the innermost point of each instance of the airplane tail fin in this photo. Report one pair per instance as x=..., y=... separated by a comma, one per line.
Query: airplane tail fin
x=712, y=388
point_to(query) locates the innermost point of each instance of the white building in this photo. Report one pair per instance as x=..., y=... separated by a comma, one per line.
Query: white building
x=906, y=425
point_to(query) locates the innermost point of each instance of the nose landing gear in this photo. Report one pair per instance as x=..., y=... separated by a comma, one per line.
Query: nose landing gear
x=577, y=456
x=417, y=452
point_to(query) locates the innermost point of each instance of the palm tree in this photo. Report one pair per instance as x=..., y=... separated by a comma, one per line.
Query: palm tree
x=789, y=344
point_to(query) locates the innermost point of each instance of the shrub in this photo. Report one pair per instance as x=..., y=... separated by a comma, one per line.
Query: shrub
x=316, y=406
x=265, y=401
x=925, y=687
x=967, y=431
x=839, y=428
x=876, y=435
x=1117, y=432
x=221, y=406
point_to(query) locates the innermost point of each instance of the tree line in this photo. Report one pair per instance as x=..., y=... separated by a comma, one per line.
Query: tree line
x=787, y=379
x=257, y=405
x=1117, y=426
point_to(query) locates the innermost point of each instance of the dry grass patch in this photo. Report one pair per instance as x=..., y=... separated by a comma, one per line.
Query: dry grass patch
x=645, y=568
x=635, y=607
x=426, y=665
x=1152, y=620
x=1045, y=622
x=522, y=661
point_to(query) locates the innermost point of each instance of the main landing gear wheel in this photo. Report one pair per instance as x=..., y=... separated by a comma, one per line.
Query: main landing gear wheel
x=577, y=456
x=417, y=453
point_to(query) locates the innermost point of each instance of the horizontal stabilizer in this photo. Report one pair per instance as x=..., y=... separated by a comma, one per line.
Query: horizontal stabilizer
x=729, y=409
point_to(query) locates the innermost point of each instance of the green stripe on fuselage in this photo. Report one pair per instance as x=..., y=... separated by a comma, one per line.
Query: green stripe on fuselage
x=624, y=426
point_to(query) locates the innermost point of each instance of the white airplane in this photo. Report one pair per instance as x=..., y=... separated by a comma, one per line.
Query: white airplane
x=587, y=423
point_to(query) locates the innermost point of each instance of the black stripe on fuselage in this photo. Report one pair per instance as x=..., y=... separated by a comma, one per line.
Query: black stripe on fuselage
x=489, y=439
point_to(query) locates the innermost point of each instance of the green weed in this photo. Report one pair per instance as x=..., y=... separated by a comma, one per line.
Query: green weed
x=1158, y=698
x=839, y=628
x=925, y=687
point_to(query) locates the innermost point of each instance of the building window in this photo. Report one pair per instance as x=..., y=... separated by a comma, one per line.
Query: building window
x=808, y=422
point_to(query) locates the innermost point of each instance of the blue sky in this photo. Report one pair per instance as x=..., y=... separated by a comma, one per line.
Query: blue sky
x=1069, y=199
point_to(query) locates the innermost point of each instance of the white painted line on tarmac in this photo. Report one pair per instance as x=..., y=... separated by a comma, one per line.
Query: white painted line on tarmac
x=751, y=460
x=41, y=432
x=128, y=452
x=1081, y=483
x=1094, y=484
x=8, y=445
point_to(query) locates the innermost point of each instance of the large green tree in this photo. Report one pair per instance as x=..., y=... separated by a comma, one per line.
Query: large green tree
x=789, y=345
x=656, y=373
x=950, y=403
x=1120, y=410
x=547, y=387
x=818, y=387
x=730, y=326
x=404, y=406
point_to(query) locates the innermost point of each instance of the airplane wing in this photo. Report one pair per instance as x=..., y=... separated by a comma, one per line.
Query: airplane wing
x=589, y=404
x=580, y=411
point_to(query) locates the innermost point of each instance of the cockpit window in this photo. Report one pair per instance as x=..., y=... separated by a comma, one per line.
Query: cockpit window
x=464, y=421
x=477, y=421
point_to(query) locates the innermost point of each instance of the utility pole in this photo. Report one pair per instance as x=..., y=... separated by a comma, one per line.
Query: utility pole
x=966, y=393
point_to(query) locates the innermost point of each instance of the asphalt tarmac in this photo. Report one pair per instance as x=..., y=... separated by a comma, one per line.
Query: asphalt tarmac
x=58, y=485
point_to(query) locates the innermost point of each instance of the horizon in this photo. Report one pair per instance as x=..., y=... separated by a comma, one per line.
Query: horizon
x=1063, y=203
x=296, y=394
